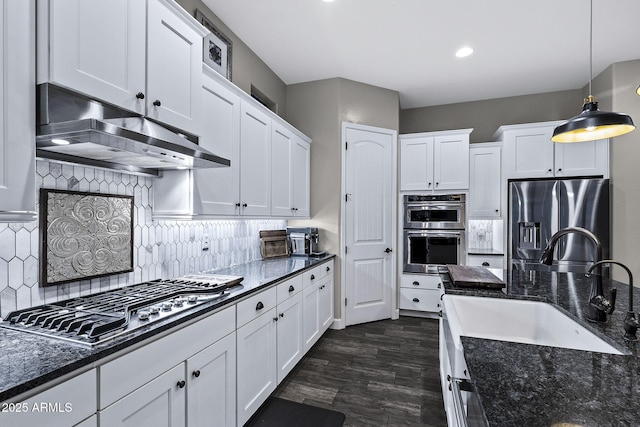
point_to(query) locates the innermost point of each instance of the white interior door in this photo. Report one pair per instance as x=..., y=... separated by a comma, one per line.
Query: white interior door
x=369, y=207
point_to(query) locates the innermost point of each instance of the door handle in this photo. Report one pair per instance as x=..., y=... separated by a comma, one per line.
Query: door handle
x=388, y=250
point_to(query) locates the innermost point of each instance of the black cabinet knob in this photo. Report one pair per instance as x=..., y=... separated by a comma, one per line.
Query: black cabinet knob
x=313, y=277
x=181, y=384
x=548, y=170
x=388, y=250
x=439, y=285
x=196, y=373
x=416, y=300
x=140, y=95
x=497, y=210
x=281, y=314
x=238, y=205
x=291, y=288
x=275, y=319
x=559, y=169
x=244, y=205
x=157, y=103
x=259, y=305
x=328, y=268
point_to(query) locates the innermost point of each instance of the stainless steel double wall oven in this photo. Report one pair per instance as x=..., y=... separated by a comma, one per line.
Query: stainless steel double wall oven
x=434, y=232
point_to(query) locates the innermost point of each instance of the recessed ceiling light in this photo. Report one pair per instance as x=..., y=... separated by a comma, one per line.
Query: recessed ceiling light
x=464, y=51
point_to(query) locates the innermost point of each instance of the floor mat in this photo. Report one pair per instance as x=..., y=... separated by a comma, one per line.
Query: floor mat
x=278, y=412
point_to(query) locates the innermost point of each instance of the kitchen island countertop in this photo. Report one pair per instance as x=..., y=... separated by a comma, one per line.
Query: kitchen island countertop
x=532, y=385
x=28, y=361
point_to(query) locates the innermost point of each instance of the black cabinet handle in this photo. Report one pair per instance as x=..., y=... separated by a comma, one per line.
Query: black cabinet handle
x=439, y=285
x=275, y=319
x=291, y=288
x=140, y=95
x=313, y=277
x=238, y=205
x=388, y=250
x=244, y=205
x=157, y=103
x=181, y=384
x=196, y=373
x=485, y=264
x=328, y=268
x=281, y=314
x=416, y=300
x=259, y=305
x=416, y=283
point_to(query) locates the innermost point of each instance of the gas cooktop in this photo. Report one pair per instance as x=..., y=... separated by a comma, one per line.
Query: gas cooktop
x=98, y=318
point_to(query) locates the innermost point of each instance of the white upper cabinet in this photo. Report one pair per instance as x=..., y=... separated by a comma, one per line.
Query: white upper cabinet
x=255, y=160
x=290, y=159
x=252, y=138
x=17, y=111
x=485, y=165
x=434, y=161
x=530, y=153
x=144, y=56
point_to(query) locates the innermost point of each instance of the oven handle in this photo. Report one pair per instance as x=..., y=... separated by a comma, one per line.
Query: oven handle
x=427, y=205
x=433, y=233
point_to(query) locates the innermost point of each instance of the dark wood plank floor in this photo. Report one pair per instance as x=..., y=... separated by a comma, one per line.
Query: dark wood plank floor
x=383, y=373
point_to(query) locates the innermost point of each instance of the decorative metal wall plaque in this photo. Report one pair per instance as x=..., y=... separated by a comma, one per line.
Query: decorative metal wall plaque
x=84, y=235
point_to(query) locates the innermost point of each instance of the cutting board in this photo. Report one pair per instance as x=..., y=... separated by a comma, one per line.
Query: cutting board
x=473, y=277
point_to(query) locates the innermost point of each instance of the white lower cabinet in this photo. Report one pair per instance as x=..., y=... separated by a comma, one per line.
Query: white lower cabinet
x=211, y=385
x=420, y=292
x=311, y=316
x=257, y=377
x=289, y=332
x=160, y=402
x=63, y=405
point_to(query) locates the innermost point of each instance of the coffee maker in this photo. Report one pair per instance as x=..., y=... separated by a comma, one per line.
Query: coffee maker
x=303, y=241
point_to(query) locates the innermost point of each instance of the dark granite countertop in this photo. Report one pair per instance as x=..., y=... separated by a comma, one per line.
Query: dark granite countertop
x=28, y=360
x=523, y=384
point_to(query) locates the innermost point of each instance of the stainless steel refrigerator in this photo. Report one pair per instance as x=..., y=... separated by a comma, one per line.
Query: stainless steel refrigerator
x=540, y=208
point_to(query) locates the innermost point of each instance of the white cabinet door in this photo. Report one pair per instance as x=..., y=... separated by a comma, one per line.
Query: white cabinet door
x=325, y=306
x=582, y=159
x=255, y=160
x=211, y=384
x=416, y=163
x=300, y=176
x=217, y=190
x=174, y=68
x=451, y=162
x=97, y=48
x=485, y=181
x=311, y=315
x=17, y=111
x=290, y=343
x=282, y=144
x=160, y=402
x=256, y=364
x=528, y=152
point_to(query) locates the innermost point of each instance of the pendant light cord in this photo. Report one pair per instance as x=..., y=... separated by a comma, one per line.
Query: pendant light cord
x=590, y=45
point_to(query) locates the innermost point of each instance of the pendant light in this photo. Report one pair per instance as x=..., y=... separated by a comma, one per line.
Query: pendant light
x=592, y=123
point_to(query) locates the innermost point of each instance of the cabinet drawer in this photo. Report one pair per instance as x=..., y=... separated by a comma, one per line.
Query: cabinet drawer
x=326, y=269
x=420, y=299
x=289, y=288
x=75, y=400
x=130, y=371
x=256, y=305
x=317, y=273
x=415, y=281
x=489, y=261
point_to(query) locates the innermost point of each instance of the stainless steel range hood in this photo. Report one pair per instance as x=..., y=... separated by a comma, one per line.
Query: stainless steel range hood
x=76, y=129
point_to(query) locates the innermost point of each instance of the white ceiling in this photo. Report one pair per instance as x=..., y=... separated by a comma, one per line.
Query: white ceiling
x=521, y=47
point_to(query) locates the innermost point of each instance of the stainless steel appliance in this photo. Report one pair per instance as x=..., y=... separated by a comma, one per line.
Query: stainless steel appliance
x=74, y=128
x=434, y=211
x=434, y=232
x=304, y=241
x=538, y=209
x=98, y=318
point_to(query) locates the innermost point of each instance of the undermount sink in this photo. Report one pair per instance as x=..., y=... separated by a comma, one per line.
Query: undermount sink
x=521, y=321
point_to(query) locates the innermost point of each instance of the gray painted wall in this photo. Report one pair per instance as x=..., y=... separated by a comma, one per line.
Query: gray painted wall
x=246, y=67
x=318, y=109
x=485, y=117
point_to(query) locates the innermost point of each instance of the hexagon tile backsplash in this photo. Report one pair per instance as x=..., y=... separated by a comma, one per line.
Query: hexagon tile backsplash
x=162, y=249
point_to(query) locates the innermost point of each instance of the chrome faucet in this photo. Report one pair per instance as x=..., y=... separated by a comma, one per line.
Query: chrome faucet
x=630, y=320
x=599, y=306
